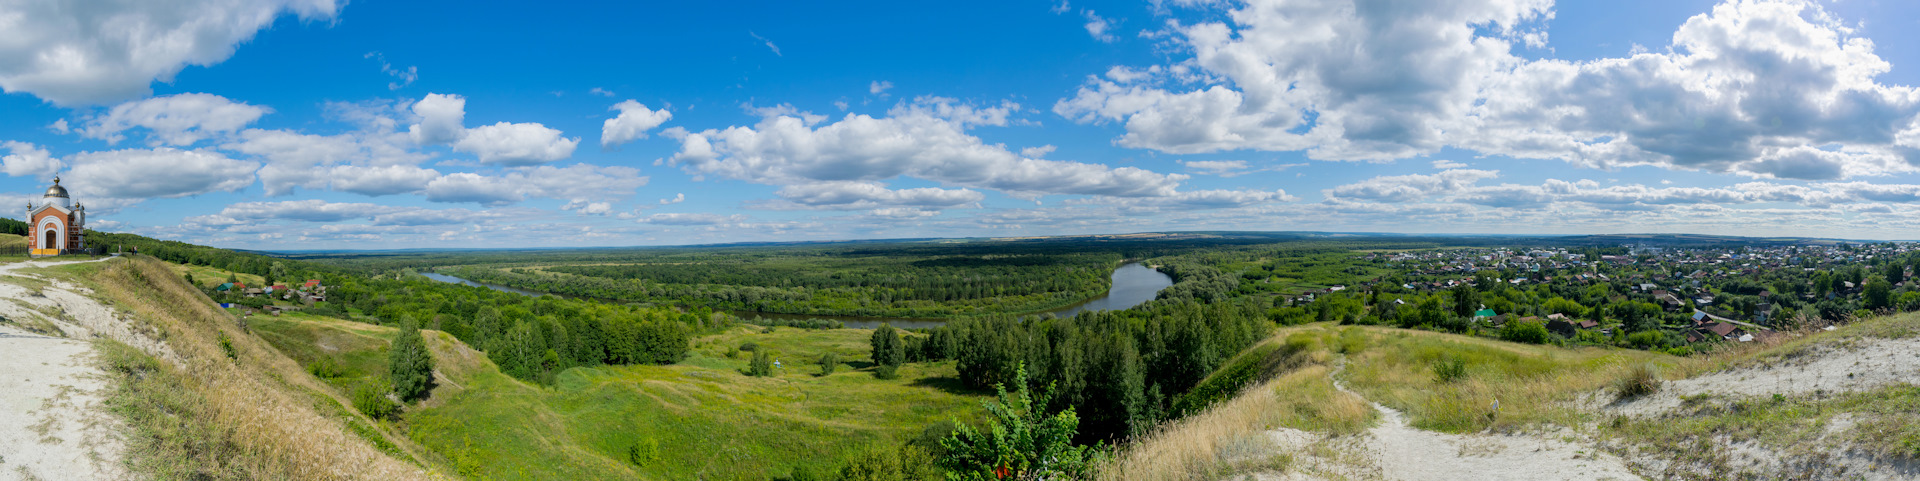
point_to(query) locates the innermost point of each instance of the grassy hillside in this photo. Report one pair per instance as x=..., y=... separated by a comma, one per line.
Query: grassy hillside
x=211, y=276
x=1536, y=385
x=217, y=402
x=1791, y=434
x=700, y=418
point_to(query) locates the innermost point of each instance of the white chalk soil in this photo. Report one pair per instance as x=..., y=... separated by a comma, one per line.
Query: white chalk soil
x=1848, y=365
x=52, y=422
x=1855, y=365
x=1398, y=451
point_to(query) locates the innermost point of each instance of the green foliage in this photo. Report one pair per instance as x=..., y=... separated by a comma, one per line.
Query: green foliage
x=1466, y=300
x=1021, y=441
x=226, y=346
x=410, y=364
x=1877, y=294
x=762, y=365
x=1249, y=368
x=1525, y=332
x=371, y=399
x=1636, y=316
x=1123, y=370
x=886, y=372
x=15, y=227
x=1449, y=370
x=325, y=368
x=643, y=452
x=888, y=350
x=828, y=363
x=908, y=463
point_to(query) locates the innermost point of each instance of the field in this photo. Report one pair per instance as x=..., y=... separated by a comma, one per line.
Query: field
x=701, y=418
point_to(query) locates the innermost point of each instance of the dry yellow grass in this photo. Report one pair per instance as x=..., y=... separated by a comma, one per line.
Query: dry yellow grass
x=254, y=401
x=1231, y=437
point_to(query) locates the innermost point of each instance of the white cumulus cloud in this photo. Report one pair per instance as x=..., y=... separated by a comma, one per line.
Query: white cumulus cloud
x=634, y=121
x=156, y=173
x=925, y=139
x=178, y=120
x=516, y=144
x=1764, y=88
x=28, y=160
x=73, y=53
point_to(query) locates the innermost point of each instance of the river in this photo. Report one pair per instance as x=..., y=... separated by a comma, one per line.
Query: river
x=1132, y=284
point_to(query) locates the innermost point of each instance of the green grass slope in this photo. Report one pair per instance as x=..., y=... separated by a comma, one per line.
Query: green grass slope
x=699, y=419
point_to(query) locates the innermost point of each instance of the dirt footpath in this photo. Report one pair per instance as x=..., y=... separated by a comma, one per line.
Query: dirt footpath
x=52, y=422
x=52, y=426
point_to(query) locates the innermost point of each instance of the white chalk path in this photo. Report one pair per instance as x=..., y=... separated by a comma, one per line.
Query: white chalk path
x=52, y=423
x=1403, y=452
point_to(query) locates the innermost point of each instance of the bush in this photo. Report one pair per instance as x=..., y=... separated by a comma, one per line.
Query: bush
x=750, y=347
x=226, y=345
x=324, y=368
x=1021, y=440
x=643, y=452
x=762, y=364
x=1642, y=380
x=1525, y=332
x=886, y=371
x=1449, y=370
x=371, y=400
x=829, y=362
x=909, y=463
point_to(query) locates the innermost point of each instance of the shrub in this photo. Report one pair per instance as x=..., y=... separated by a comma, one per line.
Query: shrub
x=1640, y=381
x=829, y=362
x=750, y=347
x=324, y=368
x=762, y=364
x=909, y=463
x=226, y=345
x=886, y=371
x=1449, y=370
x=1021, y=440
x=644, y=451
x=1525, y=332
x=371, y=400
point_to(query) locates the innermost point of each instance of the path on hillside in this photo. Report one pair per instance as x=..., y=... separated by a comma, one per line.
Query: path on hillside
x=52, y=424
x=1403, y=452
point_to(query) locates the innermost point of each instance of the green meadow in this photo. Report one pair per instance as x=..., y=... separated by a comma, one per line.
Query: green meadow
x=699, y=419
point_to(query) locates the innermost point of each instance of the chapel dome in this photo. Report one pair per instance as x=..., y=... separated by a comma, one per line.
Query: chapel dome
x=56, y=190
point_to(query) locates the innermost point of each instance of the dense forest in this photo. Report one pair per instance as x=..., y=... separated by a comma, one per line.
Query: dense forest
x=1121, y=371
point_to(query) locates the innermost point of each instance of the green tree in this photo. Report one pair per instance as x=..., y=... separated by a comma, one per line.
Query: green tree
x=410, y=363
x=1526, y=332
x=1021, y=441
x=887, y=348
x=1877, y=294
x=1465, y=300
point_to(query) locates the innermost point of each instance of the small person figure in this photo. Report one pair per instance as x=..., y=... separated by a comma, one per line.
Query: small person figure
x=1496, y=410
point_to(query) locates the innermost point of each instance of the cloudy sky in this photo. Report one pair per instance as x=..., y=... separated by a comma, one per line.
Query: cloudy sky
x=305, y=124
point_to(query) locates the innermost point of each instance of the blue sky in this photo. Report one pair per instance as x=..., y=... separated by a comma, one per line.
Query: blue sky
x=304, y=124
